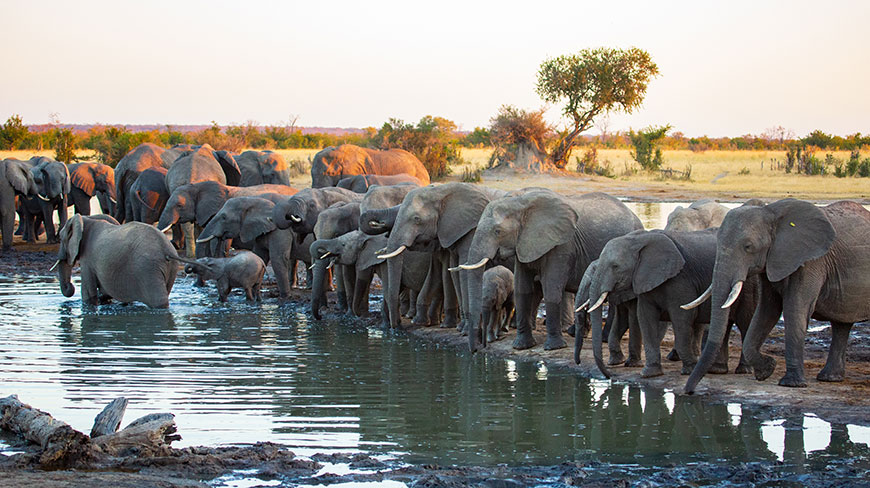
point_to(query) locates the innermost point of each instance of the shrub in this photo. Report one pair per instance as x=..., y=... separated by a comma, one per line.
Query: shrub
x=65, y=146
x=13, y=133
x=472, y=175
x=645, y=151
x=853, y=163
x=744, y=171
x=864, y=168
x=298, y=166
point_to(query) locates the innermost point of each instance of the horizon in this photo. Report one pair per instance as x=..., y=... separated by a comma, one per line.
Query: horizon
x=726, y=69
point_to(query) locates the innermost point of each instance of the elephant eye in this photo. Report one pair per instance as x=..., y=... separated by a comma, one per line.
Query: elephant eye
x=497, y=231
x=417, y=219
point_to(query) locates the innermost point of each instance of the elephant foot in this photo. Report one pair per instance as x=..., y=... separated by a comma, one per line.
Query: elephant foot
x=651, y=371
x=829, y=375
x=793, y=380
x=718, y=368
x=554, y=342
x=462, y=327
x=570, y=331
x=687, y=368
x=764, y=368
x=616, y=357
x=673, y=355
x=633, y=362
x=420, y=321
x=490, y=337
x=743, y=368
x=450, y=320
x=524, y=341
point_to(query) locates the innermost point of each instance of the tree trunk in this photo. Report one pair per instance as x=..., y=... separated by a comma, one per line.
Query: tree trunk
x=61, y=445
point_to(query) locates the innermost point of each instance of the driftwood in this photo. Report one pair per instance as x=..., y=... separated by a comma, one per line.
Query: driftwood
x=64, y=447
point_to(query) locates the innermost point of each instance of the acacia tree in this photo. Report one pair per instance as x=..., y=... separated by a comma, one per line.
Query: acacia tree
x=592, y=82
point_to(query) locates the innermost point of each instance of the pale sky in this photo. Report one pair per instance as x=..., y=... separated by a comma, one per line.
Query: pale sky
x=727, y=68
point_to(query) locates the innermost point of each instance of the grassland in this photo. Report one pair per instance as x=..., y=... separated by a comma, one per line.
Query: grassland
x=724, y=175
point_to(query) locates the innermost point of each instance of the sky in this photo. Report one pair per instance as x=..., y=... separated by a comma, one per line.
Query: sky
x=727, y=68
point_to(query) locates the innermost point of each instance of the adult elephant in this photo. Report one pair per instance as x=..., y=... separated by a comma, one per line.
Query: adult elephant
x=148, y=196
x=339, y=219
x=811, y=262
x=379, y=207
x=130, y=262
x=362, y=183
x=700, y=215
x=250, y=219
x=664, y=270
x=300, y=211
x=262, y=168
x=15, y=180
x=554, y=239
x=334, y=163
x=129, y=168
x=89, y=179
x=437, y=218
x=360, y=251
x=53, y=184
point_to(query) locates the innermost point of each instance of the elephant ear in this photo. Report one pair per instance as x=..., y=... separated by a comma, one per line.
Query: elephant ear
x=231, y=169
x=461, y=207
x=20, y=177
x=371, y=248
x=256, y=222
x=150, y=201
x=802, y=232
x=83, y=179
x=658, y=261
x=71, y=239
x=208, y=203
x=548, y=221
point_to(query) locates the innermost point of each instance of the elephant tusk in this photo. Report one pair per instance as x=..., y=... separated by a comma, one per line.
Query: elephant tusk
x=328, y=253
x=42, y=197
x=392, y=254
x=735, y=292
x=312, y=265
x=295, y=219
x=167, y=228
x=205, y=239
x=454, y=269
x=698, y=301
x=582, y=306
x=329, y=266
x=474, y=266
x=53, y=266
x=599, y=302
x=376, y=224
x=112, y=200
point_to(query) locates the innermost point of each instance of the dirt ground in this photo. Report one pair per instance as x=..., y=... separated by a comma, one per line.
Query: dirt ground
x=835, y=402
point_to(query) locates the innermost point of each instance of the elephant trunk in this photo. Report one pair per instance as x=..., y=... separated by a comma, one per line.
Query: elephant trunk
x=379, y=221
x=580, y=317
x=475, y=306
x=723, y=285
x=281, y=213
x=64, y=273
x=394, y=283
x=168, y=217
x=318, y=287
x=597, y=292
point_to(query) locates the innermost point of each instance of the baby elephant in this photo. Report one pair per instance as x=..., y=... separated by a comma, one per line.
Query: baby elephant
x=498, y=302
x=244, y=270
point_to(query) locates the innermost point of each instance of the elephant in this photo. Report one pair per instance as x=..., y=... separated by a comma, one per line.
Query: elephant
x=53, y=181
x=300, y=211
x=89, y=179
x=340, y=218
x=811, y=262
x=129, y=168
x=148, y=196
x=554, y=239
x=360, y=251
x=244, y=270
x=130, y=262
x=700, y=215
x=664, y=270
x=262, y=168
x=379, y=207
x=362, y=183
x=15, y=180
x=437, y=218
x=498, y=302
x=334, y=163
x=250, y=219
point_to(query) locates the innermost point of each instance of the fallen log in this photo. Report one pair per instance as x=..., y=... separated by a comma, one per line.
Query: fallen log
x=61, y=445
x=150, y=435
x=108, y=421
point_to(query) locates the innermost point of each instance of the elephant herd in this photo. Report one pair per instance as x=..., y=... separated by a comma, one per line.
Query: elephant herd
x=479, y=259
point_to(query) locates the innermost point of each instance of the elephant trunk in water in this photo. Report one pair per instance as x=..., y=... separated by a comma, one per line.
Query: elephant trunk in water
x=598, y=292
x=378, y=221
x=724, y=286
x=475, y=306
x=318, y=286
x=394, y=282
x=64, y=272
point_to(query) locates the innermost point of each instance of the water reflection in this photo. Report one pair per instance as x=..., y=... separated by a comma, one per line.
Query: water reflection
x=240, y=373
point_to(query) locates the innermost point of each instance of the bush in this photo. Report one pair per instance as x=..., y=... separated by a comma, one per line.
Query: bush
x=853, y=163
x=744, y=171
x=645, y=151
x=13, y=133
x=65, y=146
x=472, y=175
x=864, y=168
x=298, y=166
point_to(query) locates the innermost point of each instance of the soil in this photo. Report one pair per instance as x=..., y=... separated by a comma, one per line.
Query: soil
x=269, y=463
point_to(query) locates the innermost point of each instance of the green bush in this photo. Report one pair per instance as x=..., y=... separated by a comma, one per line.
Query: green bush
x=13, y=133
x=864, y=168
x=65, y=146
x=645, y=151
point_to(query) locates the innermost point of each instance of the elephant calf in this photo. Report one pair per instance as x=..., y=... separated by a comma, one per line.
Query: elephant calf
x=498, y=302
x=244, y=270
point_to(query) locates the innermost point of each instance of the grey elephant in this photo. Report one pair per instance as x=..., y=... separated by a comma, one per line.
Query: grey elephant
x=89, y=179
x=379, y=207
x=300, y=211
x=700, y=215
x=148, y=196
x=244, y=270
x=250, y=219
x=438, y=218
x=338, y=219
x=334, y=163
x=133, y=262
x=262, y=168
x=129, y=168
x=811, y=262
x=665, y=270
x=498, y=302
x=53, y=183
x=16, y=180
x=362, y=183
x=554, y=239
x=360, y=251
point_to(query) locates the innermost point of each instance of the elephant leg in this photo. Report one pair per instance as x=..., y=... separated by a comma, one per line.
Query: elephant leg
x=653, y=334
x=553, y=304
x=223, y=289
x=189, y=244
x=7, y=226
x=412, y=304
x=835, y=366
x=767, y=313
x=509, y=315
x=348, y=280
x=404, y=302
x=48, y=221
x=720, y=366
x=683, y=322
x=618, y=328
x=360, y=305
x=673, y=355
x=608, y=325
x=796, y=311
x=281, y=266
x=294, y=279
x=427, y=310
x=568, y=313
x=451, y=301
x=249, y=293
x=89, y=288
x=635, y=338
x=256, y=288
x=526, y=299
